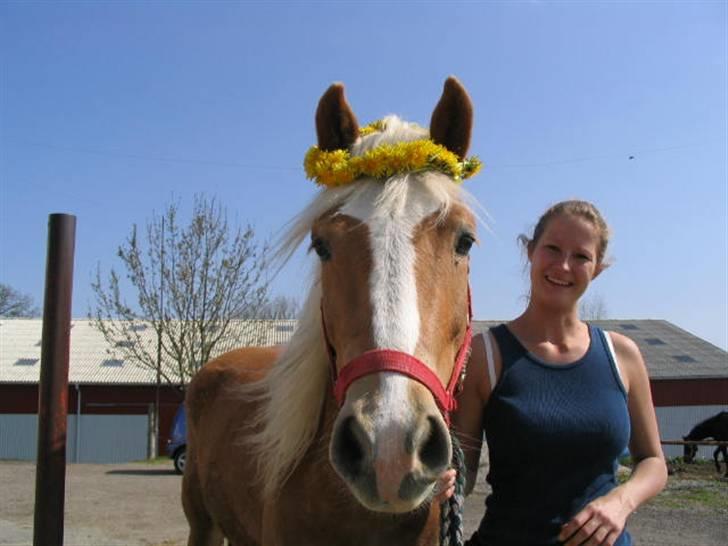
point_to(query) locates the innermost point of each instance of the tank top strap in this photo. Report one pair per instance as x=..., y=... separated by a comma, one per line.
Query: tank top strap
x=607, y=350
x=510, y=348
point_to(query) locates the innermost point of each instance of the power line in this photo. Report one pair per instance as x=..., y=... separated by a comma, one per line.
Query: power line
x=490, y=166
x=149, y=157
x=614, y=155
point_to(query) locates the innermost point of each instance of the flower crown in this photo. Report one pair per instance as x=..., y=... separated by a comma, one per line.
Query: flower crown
x=338, y=167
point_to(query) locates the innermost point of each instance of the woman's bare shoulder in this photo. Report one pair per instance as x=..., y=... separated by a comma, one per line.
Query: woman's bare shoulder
x=629, y=359
x=625, y=347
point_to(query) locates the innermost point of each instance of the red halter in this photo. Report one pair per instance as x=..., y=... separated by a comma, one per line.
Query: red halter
x=388, y=360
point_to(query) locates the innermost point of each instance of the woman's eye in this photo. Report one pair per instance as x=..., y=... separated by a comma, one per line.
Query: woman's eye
x=464, y=242
x=321, y=248
x=552, y=248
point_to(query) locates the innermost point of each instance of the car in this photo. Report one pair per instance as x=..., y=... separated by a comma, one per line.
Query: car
x=177, y=442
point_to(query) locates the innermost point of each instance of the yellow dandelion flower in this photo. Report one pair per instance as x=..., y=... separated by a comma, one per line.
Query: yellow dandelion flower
x=374, y=127
x=337, y=167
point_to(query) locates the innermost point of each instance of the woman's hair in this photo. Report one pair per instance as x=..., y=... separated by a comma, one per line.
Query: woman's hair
x=579, y=209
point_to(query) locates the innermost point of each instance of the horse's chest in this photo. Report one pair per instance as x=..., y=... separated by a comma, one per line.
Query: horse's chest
x=353, y=531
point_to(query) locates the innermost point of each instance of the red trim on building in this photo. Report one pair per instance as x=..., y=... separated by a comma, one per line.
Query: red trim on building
x=689, y=392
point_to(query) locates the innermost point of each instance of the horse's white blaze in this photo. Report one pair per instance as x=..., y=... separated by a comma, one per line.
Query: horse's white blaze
x=394, y=416
x=393, y=293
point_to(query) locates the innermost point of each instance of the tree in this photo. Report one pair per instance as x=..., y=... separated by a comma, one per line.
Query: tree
x=191, y=283
x=280, y=307
x=593, y=307
x=15, y=304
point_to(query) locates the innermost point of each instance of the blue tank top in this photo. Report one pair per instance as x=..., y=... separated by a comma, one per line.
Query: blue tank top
x=554, y=433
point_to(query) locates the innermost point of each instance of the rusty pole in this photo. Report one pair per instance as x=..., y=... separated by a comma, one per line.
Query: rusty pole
x=50, y=478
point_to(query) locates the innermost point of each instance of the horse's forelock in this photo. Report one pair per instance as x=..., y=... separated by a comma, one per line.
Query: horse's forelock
x=395, y=130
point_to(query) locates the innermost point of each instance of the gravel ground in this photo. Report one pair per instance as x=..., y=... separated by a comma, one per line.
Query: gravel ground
x=138, y=504
x=106, y=505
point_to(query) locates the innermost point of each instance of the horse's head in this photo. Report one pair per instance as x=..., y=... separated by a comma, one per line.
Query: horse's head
x=395, y=303
x=689, y=451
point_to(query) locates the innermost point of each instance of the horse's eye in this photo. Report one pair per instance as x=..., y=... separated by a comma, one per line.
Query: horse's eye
x=464, y=242
x=321, y=248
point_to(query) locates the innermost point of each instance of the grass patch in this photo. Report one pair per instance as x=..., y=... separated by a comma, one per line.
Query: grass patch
x=696, y=486
x=709, y=497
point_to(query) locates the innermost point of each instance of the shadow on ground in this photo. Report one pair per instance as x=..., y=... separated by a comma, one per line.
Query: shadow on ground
x=144, y=472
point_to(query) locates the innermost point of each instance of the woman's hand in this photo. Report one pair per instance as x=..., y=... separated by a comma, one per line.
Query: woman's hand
x=599, y=522
x=445, y=486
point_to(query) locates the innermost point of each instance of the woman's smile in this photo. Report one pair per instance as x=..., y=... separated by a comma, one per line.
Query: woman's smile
x=558, y=282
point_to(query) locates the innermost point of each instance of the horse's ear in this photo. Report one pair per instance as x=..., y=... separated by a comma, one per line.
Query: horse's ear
x=336, y=125
x=452, y=120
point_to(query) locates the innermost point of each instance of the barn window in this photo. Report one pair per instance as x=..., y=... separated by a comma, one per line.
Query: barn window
x=125, y=343
x=26, y=361
x=654, y=341
x=138, y=327
x=284, y=328
x=113, y=363
x=627, y=326
x=687, y=359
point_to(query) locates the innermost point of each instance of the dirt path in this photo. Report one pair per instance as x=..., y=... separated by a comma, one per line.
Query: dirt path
x=138, y=505
x=106, y=505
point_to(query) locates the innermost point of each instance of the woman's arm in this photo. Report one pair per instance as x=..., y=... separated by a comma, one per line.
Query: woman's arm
x=602, y=520
x=649, y=475
x=467, y=420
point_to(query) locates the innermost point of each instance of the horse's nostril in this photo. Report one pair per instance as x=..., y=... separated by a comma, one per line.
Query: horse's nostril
x=347, y=451
x=434, y=450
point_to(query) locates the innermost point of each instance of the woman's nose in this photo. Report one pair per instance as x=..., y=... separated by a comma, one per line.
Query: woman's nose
x=565, y=262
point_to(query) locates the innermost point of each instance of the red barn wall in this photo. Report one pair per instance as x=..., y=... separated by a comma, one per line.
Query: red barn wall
x=135, y=399
x=689, y=392
x=101, y=400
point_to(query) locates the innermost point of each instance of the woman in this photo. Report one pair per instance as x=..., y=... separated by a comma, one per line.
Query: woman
x=559, y=400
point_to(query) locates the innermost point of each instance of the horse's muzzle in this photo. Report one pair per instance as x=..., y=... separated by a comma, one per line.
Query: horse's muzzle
x=392, y=469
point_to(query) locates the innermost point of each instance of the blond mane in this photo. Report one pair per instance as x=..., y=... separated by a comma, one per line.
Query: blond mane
x=291, y=396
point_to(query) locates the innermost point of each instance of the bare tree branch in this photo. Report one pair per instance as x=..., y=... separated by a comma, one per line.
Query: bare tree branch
x=16, y=304
x=190, y=282
x=280, y=307
x=593, y=307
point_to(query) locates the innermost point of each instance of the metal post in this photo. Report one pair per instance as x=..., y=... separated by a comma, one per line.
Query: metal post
x=150, y=431
x=50, y=479
x=78, y=423
x=155, y=451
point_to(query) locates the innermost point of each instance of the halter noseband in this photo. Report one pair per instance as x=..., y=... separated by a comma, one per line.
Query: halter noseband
x=389, y=360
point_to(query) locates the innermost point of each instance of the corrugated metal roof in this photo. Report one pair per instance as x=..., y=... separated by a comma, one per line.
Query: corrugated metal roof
x=93, y=361
x=676, y=355
x=669, y=352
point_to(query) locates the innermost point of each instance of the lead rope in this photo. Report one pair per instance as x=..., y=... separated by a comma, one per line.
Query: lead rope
x=451, y=511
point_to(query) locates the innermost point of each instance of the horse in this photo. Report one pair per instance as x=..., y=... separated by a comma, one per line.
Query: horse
x=341, y=435
x=715, y=427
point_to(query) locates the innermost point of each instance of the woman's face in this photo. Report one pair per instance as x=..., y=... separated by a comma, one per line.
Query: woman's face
x=563, y=261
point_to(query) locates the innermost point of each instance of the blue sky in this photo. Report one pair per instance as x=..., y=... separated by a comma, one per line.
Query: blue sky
x=109, y=110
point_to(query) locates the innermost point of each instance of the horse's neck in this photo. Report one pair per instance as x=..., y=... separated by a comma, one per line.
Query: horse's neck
x=700, y=431
x=714, y=427
x=718, y=426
